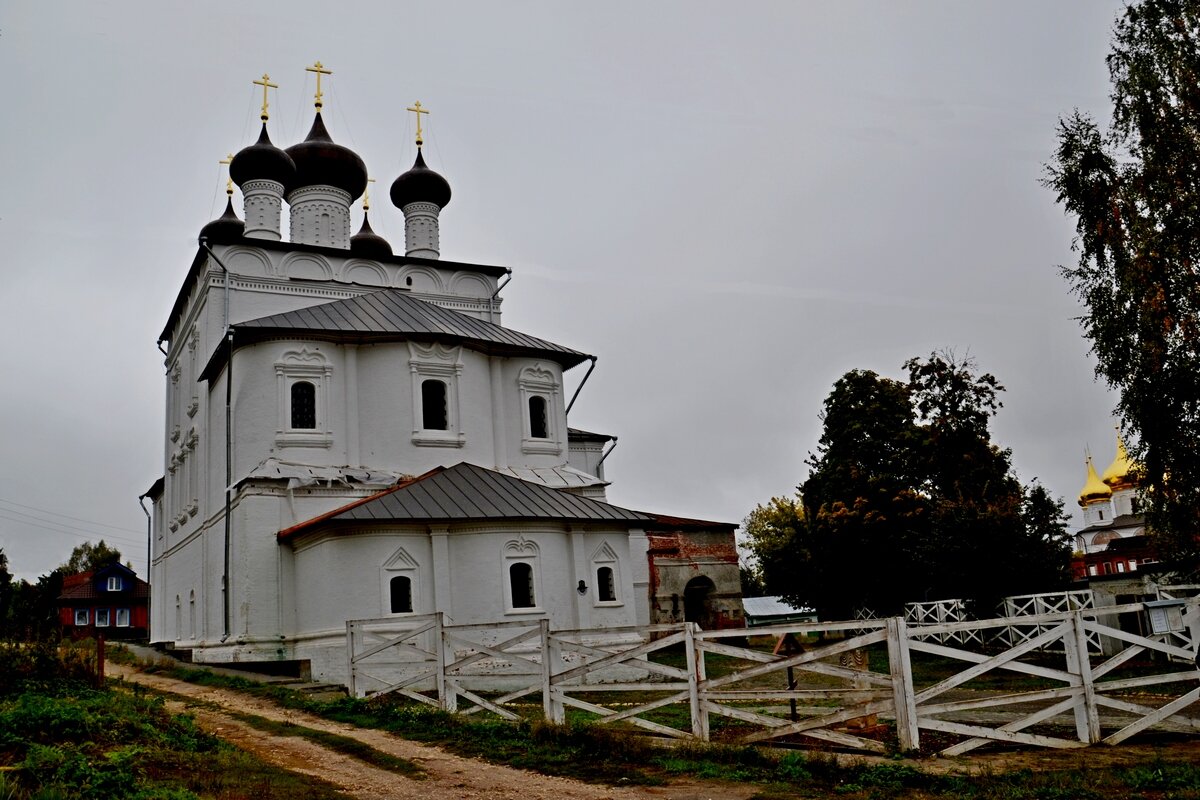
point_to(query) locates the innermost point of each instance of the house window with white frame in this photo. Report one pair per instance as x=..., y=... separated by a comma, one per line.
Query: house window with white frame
x=114, y=583
x=522, y=581
x=435, y=370
x=539, y=388
x=82, y=616
x=122, y=617
x=102, y=615
x=303, y=379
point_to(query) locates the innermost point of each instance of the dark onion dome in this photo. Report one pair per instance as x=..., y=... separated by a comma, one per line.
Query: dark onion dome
x=225, y=228
x=263, y=161
x=420, y=184
x=320, y=162
x=369, y=244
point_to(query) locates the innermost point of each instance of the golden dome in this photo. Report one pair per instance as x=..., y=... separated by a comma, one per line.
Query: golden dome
x=1117, y=476
x=1095, y=489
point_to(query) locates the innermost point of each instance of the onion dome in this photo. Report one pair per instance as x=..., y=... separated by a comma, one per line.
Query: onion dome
x=225, y=228
x=420, y=184
x=369, y=244
x=320, y=162
x=1118, y=474
x=1094, y=489
x=263, y=161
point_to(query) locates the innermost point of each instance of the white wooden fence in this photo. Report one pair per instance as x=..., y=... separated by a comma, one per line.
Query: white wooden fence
x=1078, y=700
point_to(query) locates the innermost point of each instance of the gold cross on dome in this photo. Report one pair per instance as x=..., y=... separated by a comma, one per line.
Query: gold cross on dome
x=226, y=161
x=318, y=68
x=416, y=109
x=367, y=195
x=266, y=84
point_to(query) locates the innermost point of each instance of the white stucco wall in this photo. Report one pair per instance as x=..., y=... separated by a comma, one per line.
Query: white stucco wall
x=282, y=602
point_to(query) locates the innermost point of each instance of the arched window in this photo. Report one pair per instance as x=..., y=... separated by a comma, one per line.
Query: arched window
x=520, y=576
x=304, y=406
x=434, y=416
x=192, y=614
x=401, y=594
x=538, y=425
x=605, y=585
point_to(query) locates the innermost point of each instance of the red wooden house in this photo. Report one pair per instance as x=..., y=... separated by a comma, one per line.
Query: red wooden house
x=111, y=600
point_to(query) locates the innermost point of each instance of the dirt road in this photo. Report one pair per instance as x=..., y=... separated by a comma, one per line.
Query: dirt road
x=449, y=777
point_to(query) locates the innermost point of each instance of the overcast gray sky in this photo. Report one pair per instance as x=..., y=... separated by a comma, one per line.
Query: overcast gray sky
x=731, y=204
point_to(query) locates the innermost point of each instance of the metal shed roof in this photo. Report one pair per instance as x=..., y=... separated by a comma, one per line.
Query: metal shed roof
x=394, y=315
x=467, y=492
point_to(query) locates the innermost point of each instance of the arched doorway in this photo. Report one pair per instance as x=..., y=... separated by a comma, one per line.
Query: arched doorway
x=697, y=601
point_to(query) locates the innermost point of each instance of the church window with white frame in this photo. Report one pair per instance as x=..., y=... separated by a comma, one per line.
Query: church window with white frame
x=521, y=589
x=435, y=371
x=522, y=580
x=304, y=406
x=399, y=582
x=433, y=405
x=400, y=594
x=303, y=379
x=540, y=398
x=607, y=574
x=539, y=425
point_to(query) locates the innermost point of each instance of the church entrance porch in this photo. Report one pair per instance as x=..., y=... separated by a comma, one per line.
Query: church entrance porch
x=697, y=602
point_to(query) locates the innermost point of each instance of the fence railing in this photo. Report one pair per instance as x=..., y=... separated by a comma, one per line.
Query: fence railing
x=657, y=678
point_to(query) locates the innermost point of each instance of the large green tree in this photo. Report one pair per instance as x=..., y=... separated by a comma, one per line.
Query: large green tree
x=908, y=499
x=1134, y=191
x=87, y=557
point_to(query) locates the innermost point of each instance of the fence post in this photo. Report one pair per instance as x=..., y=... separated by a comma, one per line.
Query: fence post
x=552, y=706
x=1191, y=623
x=695, y=668
x=1087, y=719
x=900, y=666
x=444, y=653
x=99, y=660
x=350, y=657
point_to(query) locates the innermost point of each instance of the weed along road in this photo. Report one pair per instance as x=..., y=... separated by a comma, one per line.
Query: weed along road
x=424, y=771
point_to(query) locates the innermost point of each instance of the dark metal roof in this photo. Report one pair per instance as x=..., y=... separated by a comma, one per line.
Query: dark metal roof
x=188, y=286
x=393, y=315
x=666, y=522
x=579, y=435
x=1119, y=522
x=465, y=492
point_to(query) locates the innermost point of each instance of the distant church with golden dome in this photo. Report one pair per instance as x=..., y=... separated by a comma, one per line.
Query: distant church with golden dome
x=1111, y=512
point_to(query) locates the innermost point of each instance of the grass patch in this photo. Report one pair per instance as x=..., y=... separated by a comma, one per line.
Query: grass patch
x=61, y=739
x=334, y=741
x=606, y=755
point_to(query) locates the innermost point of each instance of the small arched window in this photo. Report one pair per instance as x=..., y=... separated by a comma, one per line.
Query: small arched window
x=539, y=427
x=605, y=585
x=400, y=588
x=434, y=416
x=520, y=576
x=304, y=406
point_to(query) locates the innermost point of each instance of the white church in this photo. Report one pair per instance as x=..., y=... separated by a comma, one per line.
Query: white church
x=352, y=433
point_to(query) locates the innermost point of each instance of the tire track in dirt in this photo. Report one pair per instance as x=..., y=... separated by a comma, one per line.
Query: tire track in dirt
x=449, y=777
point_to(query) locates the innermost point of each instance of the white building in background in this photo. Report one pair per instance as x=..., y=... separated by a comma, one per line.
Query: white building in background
x=352, y=433
x=1110, y=504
